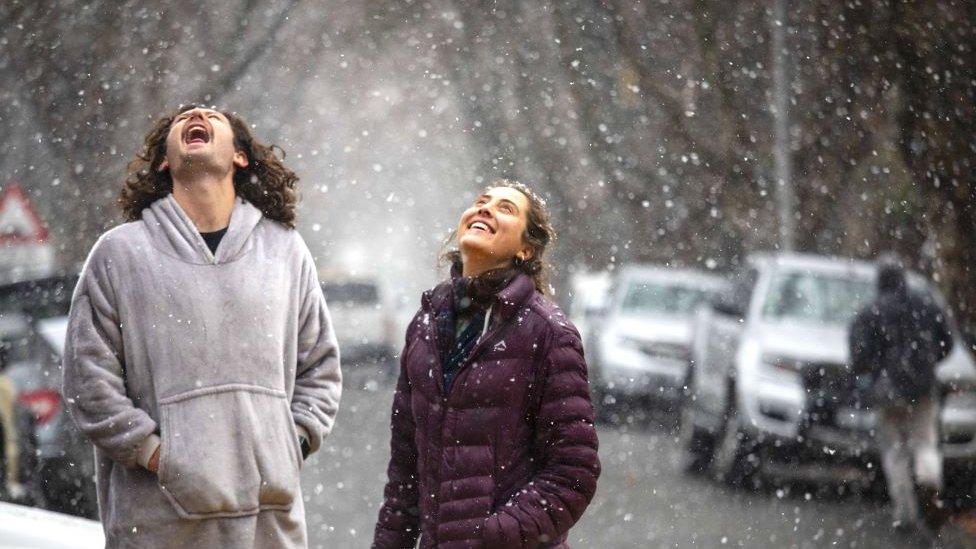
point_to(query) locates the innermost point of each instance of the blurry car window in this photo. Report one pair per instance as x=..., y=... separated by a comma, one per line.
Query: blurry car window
x=643, y=297
x=351, y=294
x=817, y=297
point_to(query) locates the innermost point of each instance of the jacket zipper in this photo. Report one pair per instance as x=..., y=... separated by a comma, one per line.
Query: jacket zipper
x=486, y=337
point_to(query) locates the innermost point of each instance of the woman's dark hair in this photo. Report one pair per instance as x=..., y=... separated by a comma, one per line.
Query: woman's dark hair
x=265, y=182
x=538, y=235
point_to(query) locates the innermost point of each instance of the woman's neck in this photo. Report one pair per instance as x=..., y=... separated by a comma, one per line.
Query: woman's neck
x=472, y=266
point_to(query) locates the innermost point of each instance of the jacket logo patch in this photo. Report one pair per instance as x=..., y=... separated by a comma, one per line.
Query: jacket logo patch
x=500, y=346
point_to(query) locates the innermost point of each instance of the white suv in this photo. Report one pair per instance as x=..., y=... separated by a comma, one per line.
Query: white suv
x=640, y=346
x=770, y=379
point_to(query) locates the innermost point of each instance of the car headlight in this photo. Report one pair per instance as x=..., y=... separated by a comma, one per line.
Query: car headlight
x=628, y=342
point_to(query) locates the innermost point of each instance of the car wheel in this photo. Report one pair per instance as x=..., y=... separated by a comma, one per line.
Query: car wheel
x=697, y=444
x=959, y=481
x=66, y=490
x=736, y=459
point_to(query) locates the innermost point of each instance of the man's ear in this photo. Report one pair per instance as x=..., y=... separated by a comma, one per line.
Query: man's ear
x=240, y=159
x=163, y=166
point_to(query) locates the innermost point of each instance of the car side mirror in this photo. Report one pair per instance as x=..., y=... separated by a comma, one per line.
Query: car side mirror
x=727, y=307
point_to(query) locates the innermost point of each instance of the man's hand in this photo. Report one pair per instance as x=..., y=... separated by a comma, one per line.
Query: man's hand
x=153, y=465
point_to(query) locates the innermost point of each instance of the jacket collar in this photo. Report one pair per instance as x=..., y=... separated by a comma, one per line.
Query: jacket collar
x=172, y=232
x=507, y=302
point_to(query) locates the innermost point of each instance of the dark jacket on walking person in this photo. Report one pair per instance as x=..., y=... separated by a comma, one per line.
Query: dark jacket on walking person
x=497, y=448
x=899, y=339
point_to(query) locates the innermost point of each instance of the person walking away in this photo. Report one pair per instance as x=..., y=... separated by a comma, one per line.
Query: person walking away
x=200, y=357
x=898, y=340
x=10, y=486
x=493, y=443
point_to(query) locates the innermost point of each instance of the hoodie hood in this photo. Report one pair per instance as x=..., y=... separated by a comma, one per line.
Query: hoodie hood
x=891, y=277
x=173, y=233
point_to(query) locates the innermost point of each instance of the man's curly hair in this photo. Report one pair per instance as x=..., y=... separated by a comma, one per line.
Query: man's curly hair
x=265, y=182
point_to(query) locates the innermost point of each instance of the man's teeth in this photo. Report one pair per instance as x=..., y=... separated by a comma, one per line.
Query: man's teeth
x=479, y=225
x=197, y=134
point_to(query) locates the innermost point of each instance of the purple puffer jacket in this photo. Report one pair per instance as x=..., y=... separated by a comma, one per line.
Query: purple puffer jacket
x=507, y=459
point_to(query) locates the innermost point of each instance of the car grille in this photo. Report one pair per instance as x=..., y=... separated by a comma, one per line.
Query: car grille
x=829, y=387
x=665, y=350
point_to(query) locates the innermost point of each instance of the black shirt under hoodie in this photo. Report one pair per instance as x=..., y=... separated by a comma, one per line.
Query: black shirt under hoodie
x=213, y=239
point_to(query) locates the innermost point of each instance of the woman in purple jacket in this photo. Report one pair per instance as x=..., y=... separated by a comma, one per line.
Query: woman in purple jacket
x=493, y=441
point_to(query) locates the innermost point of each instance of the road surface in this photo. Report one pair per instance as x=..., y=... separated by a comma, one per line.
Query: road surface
x=644, y=499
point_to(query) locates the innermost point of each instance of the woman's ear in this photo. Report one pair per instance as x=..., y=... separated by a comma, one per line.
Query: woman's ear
x=524, y=254
x=163, y=166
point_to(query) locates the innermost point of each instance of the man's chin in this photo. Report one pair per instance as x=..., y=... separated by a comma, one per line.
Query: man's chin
x=193, y=165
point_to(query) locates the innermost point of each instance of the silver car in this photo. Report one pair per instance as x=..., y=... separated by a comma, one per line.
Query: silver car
x=363, y=321
x=32, y=329
x=640, y=346
x=770, y=376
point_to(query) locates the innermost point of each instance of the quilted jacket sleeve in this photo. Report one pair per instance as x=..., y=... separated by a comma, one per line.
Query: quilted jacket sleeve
x=546, y=508
x=399, y=522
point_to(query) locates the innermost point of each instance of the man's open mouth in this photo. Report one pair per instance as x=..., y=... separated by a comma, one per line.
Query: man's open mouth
x=196, y=133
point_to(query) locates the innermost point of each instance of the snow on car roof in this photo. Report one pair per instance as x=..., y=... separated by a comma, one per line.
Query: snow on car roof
x=811, y=262
x=672, y=275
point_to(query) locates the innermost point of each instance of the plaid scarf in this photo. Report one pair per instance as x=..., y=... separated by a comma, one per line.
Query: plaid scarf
x=471, y=298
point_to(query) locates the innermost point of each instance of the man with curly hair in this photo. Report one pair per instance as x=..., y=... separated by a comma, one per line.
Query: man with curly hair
x=200, y=357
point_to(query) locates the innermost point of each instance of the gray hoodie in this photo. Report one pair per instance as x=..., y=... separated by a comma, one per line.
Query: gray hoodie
x=223, y=356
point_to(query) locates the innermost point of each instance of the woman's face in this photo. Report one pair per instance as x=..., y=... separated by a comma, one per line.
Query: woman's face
x=492, y=228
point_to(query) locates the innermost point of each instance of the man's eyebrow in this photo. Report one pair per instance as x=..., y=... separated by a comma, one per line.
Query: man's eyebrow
x=204, y=111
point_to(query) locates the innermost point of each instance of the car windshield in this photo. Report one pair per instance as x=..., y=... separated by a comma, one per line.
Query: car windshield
x=641, y=297
x=816, y=297
x=351, y=294
x=23, y=305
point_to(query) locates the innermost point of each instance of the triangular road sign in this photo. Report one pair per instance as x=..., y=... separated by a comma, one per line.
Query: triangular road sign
x=19, y=222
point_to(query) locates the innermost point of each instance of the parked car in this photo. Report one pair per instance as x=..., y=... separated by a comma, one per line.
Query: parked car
x=30, y=528
x=770, y=377
x=32, y=331
x=640, y=346
x=363, y=322
x=590, y=291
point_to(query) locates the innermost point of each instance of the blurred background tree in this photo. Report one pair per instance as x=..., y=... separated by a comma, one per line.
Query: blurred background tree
x=647, y=123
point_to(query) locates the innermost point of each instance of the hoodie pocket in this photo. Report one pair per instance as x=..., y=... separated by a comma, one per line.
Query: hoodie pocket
x=228, y=451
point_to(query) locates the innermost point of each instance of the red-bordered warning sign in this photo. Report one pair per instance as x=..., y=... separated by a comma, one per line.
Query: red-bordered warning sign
x=19, y=222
